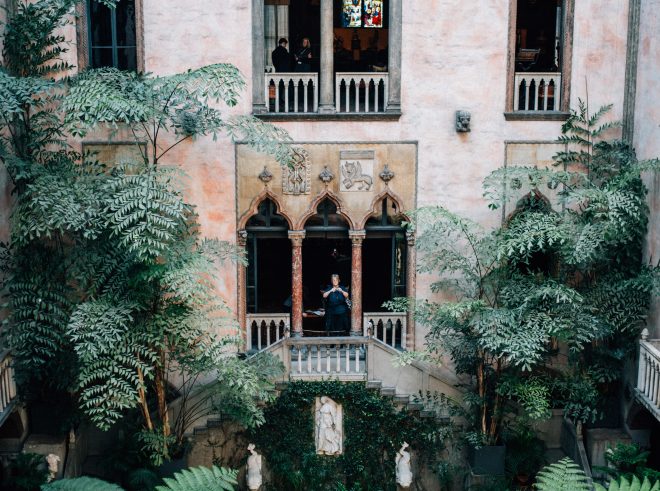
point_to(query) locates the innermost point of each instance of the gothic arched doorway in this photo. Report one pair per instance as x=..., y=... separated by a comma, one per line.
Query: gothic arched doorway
x=326, y=251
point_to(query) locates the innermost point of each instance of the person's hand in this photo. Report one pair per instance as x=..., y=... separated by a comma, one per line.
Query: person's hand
x=309, y=55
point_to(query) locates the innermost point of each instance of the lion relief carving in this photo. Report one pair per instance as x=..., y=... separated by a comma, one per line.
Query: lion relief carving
x=352, y=173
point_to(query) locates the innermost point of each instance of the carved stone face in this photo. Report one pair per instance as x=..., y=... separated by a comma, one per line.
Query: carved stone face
x=463, y=121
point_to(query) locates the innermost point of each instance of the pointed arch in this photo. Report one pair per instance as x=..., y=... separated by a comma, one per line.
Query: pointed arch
x=326, y=194
x=254, y=209
x=526, y=202
x=375, y=209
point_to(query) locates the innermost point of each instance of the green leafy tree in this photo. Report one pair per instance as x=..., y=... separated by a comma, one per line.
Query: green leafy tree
x=111, y=285
x=569, y=275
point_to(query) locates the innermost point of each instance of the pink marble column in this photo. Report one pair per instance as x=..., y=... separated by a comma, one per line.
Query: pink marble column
x=296, y=237
x=411, y=277
x=357, y=236
x=241, y=306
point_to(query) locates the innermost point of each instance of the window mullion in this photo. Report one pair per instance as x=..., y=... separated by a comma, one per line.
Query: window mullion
x=113, y=28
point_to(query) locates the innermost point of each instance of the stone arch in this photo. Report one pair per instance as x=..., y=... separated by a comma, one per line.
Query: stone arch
x=520, y=204
x=374, y=208
x=254, y=207
x=326, y=194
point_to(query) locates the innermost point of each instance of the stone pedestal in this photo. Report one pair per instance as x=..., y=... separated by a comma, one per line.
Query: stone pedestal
x=598, y=440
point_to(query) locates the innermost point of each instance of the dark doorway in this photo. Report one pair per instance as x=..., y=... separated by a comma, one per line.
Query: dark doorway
x=270, y=270
x=376, y=273
x=305, y=22
x=321, y=258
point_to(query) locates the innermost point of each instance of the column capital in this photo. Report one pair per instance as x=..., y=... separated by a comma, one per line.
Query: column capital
x=410, y=237
x=357, y=236
x=296, y=237
x=241, y=237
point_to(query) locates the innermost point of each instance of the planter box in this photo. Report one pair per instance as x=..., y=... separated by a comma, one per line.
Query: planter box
x=488, y=460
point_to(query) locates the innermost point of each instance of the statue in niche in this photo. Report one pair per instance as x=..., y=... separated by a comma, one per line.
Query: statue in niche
x=463, y=121
x=328, y=427
x=404, y=475
x=253, y=475
x=296, y=178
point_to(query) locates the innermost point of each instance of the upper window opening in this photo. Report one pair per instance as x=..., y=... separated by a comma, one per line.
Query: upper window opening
x=389, y=216
x=267, y=217
x=327, y=217
x=112, y=35
x=361, y=29
x=538, y=35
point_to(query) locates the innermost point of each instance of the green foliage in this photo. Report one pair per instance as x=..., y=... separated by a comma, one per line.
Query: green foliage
x=568, y=273
x=81, y=484
x=201, y=479
x=634, y=484
x=629, y=461
x=27, y=472
x=564, y=475
x=373, y=432
x=112, y=288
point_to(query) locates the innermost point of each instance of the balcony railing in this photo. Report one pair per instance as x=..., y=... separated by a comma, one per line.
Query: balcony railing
x=344, y=358
x=537, y=91
x=7, y=385
x=387, y=327
x=292, y=92
x=361, y=92
x=264, y=330
x=648, y=377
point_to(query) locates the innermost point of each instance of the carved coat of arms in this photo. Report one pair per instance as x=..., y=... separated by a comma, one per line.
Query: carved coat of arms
x=357, y=169
x=296, y=178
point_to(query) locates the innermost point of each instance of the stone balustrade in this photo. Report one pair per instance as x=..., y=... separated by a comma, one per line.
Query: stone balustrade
x=344, y=358
x=292, y=92
x=387, y=327
x=263, y=330
x=648, y=378
x=537, y=91
x=7, y=384
x=361, y=92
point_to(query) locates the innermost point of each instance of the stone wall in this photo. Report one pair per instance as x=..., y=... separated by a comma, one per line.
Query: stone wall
x=647, y=128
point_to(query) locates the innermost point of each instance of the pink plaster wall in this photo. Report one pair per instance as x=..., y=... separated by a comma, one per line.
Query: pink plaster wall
x=454, y=56
x=647, y=128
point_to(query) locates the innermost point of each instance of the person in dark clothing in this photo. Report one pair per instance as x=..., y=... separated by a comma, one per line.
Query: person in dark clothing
x=304, y=57
x=336, y=309
x=281, y=58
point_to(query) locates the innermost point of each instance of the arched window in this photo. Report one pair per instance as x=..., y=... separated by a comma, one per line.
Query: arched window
x=326, y=220
x=268, y=280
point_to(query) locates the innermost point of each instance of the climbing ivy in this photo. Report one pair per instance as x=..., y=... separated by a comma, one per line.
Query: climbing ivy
x=373, y=432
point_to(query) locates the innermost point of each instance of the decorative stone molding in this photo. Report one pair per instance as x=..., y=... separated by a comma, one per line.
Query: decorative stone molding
x=296, y=178
x=357, y=236
x=296, y=237
x=265, y=175
x=410, y=237
x=326, y=175
x=242, y=237
x=386, y=174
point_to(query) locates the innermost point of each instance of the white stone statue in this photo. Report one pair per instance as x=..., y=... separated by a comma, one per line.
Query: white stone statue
x=53, y=462
x=404, y=475
x=254, y=478
x=328, y=427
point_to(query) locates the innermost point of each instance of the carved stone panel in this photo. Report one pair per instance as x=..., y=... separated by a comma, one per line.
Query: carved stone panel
x=357, y=170
x=296, y=178
x=328, y=427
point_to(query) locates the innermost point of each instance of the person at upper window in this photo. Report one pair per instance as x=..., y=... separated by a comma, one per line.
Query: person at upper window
x=304, y=56
x=336, y=308
x=281, y=57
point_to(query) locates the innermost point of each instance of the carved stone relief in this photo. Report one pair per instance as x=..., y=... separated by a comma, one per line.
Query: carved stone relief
x=296, y=178
x=357, y=170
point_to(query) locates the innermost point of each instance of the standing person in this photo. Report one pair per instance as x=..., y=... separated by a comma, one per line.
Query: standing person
x=304, y=57
x=336, y=309
x=281, y=57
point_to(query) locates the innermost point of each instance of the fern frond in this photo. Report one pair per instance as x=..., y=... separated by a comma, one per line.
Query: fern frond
x=81, y=484
x=564, y=475
x=201, y=479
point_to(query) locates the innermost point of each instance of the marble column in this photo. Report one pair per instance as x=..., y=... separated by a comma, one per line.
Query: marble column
x=394, y=36
x=296, y=237
x=326, y=77
x=242, y=286
x=411, y=277
x=356, y=236
x=258, y=78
